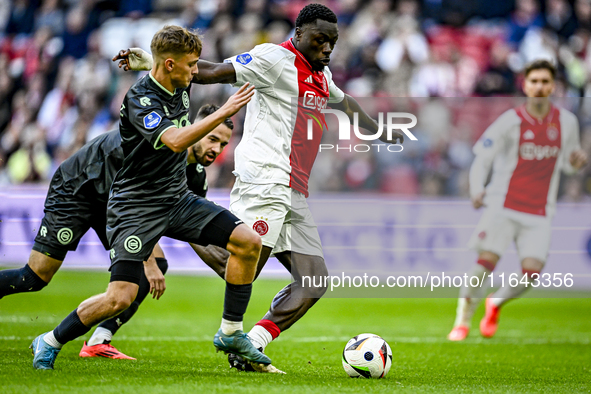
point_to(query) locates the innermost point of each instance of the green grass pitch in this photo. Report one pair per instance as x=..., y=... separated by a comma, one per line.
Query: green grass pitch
x=543, y=345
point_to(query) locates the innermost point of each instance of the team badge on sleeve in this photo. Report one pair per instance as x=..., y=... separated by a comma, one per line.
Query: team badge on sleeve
x=152, y=120
x=245, y=58
x=487, y=143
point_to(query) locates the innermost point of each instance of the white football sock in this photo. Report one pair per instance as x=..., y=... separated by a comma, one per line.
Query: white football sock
x=230, y=327
x=99, y=337
x=49, y=338
x=260, y=337
x=470, y=298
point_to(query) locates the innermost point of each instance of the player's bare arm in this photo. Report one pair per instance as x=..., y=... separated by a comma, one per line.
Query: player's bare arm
x=154, y=275
x=210, y=73
x=179, y=139
x=350, y=106
x=136, y=59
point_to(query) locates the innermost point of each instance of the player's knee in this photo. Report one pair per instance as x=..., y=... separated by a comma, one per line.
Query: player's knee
x=255, y=243
x=120, y=302
x=250, y=245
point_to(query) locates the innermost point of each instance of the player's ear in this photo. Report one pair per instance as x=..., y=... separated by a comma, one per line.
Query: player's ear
x=169, y=64
x=298, y=34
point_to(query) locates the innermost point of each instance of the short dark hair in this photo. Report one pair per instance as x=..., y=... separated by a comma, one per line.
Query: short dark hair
x=540, y=64
x=209, y=109
x=311, y=12
x=176, y=40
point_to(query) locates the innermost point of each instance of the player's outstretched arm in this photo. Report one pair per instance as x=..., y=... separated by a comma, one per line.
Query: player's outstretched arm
x=136, y=59
x=214, y=73
x=350, y=106
x=179, y=139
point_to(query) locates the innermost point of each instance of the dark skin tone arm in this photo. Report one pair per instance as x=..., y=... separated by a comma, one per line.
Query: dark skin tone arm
x=210, y=73
x=349, y=106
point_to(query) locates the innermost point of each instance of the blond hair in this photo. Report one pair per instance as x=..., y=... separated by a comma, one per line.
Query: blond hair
x=175, y=40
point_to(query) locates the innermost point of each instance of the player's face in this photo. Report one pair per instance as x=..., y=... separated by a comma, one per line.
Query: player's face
x=209, y=147
x=316, y=42
x=184, y=68
x=538, y=83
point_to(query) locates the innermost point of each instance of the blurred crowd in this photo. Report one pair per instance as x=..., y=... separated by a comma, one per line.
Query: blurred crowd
x=59, y=88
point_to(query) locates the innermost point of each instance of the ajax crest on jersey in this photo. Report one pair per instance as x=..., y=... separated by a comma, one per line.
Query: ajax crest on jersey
x=368, y=356
x=552, y=133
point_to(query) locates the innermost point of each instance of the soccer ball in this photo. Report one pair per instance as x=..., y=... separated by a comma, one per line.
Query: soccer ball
x=367, y=355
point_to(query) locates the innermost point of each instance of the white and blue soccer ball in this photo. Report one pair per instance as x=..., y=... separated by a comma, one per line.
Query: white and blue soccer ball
x=368, y=356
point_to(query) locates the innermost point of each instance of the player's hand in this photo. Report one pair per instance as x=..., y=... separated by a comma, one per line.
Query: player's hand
x=134, y=59
x=478, y=200
x=155, y=278
x=578, y=159
x=397, y=135
x=239, y=99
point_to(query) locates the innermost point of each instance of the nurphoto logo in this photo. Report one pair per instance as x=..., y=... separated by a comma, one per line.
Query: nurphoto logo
x=388, y=124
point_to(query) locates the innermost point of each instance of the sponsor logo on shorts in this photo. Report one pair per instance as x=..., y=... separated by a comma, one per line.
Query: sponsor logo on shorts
x=152, y=120
x=482, y=234
x=43, y=231
x=245, y=58
x=65, y=235
x=132, y=244
x=186, y=99
x=261, y=226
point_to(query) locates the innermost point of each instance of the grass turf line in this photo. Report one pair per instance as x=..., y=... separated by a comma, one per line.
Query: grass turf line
x=543, y=345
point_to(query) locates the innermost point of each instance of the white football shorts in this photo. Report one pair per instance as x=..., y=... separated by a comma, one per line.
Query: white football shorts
x=499, y=226
x=279, y=214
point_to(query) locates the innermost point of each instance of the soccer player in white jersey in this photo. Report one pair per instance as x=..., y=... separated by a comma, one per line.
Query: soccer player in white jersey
x=526, y=147
x=275, y=157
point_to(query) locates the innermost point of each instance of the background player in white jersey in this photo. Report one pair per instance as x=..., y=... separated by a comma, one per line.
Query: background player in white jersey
x=527, y=147
x=275, y=157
